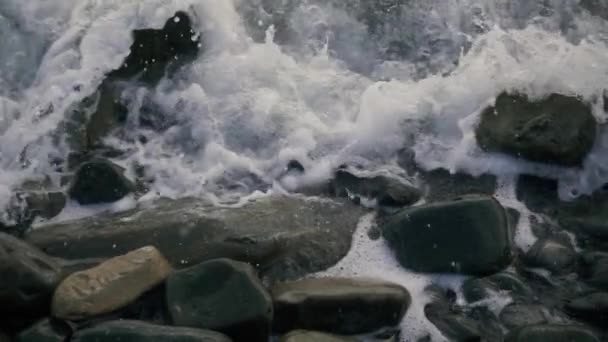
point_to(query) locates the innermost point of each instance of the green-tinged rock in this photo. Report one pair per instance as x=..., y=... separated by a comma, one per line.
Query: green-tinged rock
x=287, y=237
x=550, y=254
x=46, y=330
x=557, y=129
x=135, y=331
x=553, y=333
x=221, y=295
x=99, y=181
x=338, y=305
x=476, y=289
x=110, y=286
x=28, y=279
x=313, y=336
x=470, y=235
x=386, y=190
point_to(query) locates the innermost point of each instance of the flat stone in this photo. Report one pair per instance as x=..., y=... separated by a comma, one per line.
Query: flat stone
x=111, y=285
x=550, y=254
x=135, y=331
x=557, y=129
x=99, y=181
x=338, y=305
x=519, y=315
x=286, y=236
x=29, y=277
x=470, y=235
x=46, y=330
x=554, y=333
x=313, y=336
x=222, y=295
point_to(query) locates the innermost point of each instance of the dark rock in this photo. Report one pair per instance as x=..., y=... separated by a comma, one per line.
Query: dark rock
x=557, y=129
x=47, y=330
x=550, y=254
x=519, y=315
x=221, y=295
x=99, y=181
x=25, y=207
x=337, y=305
x=442, y=185
x=313, y=336
x=286, y=236
x=597, y=265
x=135, y=331
x=476, y=289
x=153, y=51
x=386, y=190
x=592, y=307
x=108, y=115
x=538, y=194
x=596, y=7
x=29, y=278
x=554, y=333
x=470, y=235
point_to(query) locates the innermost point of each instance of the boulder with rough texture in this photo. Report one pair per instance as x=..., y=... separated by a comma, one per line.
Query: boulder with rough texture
x=313, y=336
x=111, y=285
x=557, y=129
x=286, y=236
x=338, y=305
x=222, y=295
x=554, y=333
x=28, y=278
x=553, y=255
x=46, y=330
x=470, y=235
x=386, y=190
x=99, y=181
x=135, y=331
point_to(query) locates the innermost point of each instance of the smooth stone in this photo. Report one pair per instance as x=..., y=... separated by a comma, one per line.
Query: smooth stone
x=550, y=254
x=535, y=129
x=519, y=315
x=99, y=181
x=313, y=336
x=113, y=284
x=45, y=330
x=477, y=289
x=136, y=331
x=598, y=269
x=386, y=190
x=553, y=333
x=338, y=305
x=29, y=278
x=591, y=307
x=470, y=235
x=287, y=237
x=222, y=295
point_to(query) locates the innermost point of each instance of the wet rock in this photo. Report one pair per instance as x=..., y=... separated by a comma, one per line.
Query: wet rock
x=313, y=336
x=99, y=181
x=597, y=265
x=476, y=289
x=596, y=7
x=553, y=255
x=29, y=278
x=47, y=330
x=555, y=333
x=337, y=305
x=109, y=114
x=154, y=51
x=111, y=285
x=442, y=185
x=25, y=207
x=135, y=331
x=286, y=236
x=557, y=129
x=386, y=190
x=470, y=235
x=591, y=307
x=519, y=315
x=221, y=295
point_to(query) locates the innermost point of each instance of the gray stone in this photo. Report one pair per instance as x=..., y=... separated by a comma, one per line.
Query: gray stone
x=558, y=129
x=591, y=307
x=338, y=305
x=550, y=254
x=386, y=190
x=135, y=331
x=110, y=286
x=519, y=315
x=598, y=269
x=99, y=181
x=313, y=336
x=286, y=236
x=221, y=295
x=476, y=289
x=470, y=235
x=554, y=333
x=46, y=330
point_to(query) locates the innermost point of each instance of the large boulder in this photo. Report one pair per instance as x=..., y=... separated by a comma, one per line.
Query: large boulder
x=313, y=336
x=99, y=181
x=338, y=305
x=557, y=129
x=221, y=295
x=470, y=235
x=286, y=236
x=46, y=330
x=135, y=331
x=554, y=333
x=111, y=285
x=29, y=278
